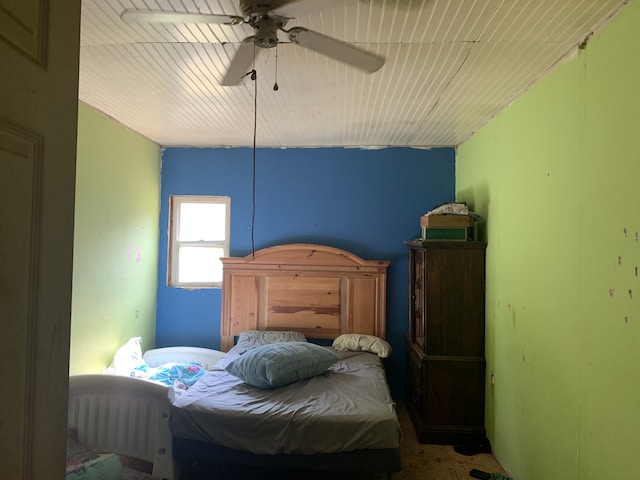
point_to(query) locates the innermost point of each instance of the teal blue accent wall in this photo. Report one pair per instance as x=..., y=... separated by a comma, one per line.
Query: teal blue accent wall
x=364, y=201
x=556, y=176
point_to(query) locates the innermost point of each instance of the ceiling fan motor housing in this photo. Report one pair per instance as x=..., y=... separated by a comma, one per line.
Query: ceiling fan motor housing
x=266, y=30
x=266, y=26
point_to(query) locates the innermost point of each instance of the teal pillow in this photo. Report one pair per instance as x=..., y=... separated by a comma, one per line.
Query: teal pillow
x=278, y=364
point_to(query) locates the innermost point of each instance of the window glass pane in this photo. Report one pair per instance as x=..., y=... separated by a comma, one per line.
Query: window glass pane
x=191, y=261
x=202, y=221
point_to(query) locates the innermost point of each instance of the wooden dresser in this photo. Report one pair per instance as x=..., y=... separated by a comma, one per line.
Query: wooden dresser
x=446, y=341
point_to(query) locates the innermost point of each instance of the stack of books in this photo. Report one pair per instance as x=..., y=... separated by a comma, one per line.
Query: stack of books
x=446, y=227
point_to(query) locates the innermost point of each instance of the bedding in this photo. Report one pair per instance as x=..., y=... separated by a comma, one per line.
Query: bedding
x=175, y=367
x=126, y=358
x=279, y=364
x=249, y=339
x=358, y=342
x=178, y=375
x=346, y=409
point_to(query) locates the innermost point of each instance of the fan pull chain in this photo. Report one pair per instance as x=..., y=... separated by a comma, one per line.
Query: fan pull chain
x=275, y=85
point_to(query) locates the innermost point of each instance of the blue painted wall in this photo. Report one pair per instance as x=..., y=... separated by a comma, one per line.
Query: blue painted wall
x=364, y=201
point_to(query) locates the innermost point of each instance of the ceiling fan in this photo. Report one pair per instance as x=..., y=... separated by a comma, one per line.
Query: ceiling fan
x=267, y=17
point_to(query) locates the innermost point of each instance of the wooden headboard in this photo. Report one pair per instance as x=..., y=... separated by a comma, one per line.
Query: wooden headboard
x=314, y=289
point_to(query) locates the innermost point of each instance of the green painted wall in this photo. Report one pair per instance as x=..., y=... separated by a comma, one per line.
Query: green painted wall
x=557, y=177
x=116, y=241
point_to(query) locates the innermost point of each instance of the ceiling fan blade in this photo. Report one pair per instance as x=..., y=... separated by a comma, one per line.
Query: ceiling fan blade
x=241, y=63
x=300, y=8
x=157, y=16
x=336, y=49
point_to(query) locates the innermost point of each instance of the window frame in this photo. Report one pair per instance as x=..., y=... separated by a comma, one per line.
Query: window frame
x=174, y=244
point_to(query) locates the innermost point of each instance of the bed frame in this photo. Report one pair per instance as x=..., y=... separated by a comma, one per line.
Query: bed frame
x=313, y=289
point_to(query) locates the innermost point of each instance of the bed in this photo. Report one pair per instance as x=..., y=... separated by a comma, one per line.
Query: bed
x=324, y=293
x=329, y=296
x=129, y=416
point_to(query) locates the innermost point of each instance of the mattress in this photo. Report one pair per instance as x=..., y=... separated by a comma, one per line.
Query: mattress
x=347, y=408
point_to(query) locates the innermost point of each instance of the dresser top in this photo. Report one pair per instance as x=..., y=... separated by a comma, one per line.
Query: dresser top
x=442, y=244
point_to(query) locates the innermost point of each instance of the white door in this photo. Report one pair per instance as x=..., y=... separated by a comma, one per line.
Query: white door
x=39, y=49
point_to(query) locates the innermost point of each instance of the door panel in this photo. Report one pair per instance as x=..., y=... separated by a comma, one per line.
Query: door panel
x=39, y=49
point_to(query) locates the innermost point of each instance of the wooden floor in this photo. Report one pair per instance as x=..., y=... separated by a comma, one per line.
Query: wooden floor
x=437, y=462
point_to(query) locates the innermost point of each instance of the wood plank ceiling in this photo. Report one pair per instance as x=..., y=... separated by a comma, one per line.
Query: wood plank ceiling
x=450, y=66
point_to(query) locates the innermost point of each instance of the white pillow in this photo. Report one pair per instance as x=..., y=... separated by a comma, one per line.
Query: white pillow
x=126, y=358
x=357, y=342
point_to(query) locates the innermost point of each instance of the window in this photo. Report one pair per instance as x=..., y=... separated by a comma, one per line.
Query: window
x=198, y=238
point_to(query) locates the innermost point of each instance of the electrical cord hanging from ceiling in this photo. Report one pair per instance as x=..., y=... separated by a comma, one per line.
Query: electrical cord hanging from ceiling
x=254, y=76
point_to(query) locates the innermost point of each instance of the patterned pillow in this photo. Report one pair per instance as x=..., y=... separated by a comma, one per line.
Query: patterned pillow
x=253, y=338
x=278, y=364
x=357, y=342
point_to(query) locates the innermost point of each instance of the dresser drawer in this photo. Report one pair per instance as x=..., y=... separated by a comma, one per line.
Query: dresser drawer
x=453, y=385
